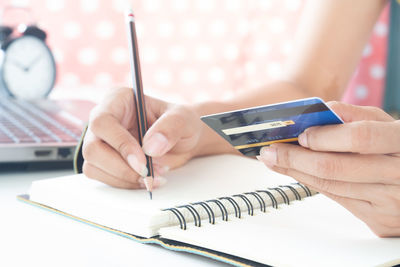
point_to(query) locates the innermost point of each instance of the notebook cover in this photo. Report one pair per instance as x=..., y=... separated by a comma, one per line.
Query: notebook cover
x=166, y=243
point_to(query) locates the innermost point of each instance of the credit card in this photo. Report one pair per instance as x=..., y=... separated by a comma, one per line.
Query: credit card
x=248, y=130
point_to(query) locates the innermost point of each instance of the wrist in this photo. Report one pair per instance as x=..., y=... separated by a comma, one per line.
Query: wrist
x=210, y=142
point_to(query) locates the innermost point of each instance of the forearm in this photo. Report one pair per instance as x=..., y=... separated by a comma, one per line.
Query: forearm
x=329, y=43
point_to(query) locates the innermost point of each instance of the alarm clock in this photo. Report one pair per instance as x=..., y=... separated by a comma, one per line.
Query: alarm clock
x=27, y=66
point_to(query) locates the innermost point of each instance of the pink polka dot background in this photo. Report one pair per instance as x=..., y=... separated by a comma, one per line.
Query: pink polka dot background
x=191, y=50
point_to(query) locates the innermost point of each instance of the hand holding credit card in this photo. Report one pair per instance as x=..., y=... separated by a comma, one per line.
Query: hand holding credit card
x=248, y=130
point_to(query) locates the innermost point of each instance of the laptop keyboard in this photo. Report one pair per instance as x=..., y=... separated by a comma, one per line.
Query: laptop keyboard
x=23, y=122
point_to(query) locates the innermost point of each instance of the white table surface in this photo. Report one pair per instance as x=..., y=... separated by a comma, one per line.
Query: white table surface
x=30, y=236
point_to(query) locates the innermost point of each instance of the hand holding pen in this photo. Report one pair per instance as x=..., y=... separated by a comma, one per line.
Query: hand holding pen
x=111, y=149
x=115, y=152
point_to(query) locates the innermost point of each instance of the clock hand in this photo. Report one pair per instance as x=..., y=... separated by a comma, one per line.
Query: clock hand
x=18, y=64
x=32, y=62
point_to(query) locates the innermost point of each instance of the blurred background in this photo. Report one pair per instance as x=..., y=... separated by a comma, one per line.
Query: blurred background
x=191, y=50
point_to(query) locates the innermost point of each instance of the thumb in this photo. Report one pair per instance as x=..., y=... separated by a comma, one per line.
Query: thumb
x=350, y=113
x=165, y=133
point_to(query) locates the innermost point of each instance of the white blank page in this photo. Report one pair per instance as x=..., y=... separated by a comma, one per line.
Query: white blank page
x=132, y=211
x=312, y=232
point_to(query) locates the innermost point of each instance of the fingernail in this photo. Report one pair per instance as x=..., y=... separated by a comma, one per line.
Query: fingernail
x=165, y=169
x=156, y=145
x=140, y=168
x=159, y=181
x=268, y=155
x=161, y=169
x=141, y=183
x=303, y=140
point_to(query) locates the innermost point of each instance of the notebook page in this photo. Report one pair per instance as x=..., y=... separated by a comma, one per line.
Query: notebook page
x=312, y=232
x=131, y=210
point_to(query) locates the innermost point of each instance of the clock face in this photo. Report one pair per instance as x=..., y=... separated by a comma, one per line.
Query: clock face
x=28, y=68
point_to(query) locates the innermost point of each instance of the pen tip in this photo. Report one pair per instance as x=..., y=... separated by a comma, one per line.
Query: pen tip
x=148, y=182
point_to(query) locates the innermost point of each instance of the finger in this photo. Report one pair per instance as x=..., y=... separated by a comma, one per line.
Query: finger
x=160, y=169
x=367, y=137
x=348, y=167
x=171, y=127
x=121, y=104
x=366, y=192
x=350, y=113
x=107, y=128
x=104, y=157
x=93, y=172
x=171, y=161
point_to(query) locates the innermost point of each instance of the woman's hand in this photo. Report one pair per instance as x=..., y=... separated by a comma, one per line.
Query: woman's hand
x=356, y=164
x=111, y=149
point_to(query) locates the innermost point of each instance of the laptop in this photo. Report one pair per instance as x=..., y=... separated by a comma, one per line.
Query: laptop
x=41, y=130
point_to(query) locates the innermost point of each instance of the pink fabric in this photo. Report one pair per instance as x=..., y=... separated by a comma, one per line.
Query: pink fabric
x=191, y=50
x=368, y=84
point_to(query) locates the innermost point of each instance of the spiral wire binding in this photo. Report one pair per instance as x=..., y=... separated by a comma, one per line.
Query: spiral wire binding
x=294, y=191
x=221, y=207
x=274, y=202
x=250, y=208
x=211, y=216
x=259, y=199
x=179, y=215
x=305, y=188
x=195, y=214
x=235, y=206
x=282, y=193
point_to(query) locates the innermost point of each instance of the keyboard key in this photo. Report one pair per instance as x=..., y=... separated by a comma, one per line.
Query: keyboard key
x=22, y=122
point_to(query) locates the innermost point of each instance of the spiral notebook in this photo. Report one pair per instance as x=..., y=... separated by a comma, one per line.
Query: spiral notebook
x=229, y=208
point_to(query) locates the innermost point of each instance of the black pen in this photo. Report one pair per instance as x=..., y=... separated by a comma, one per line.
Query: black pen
x=141, y=116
